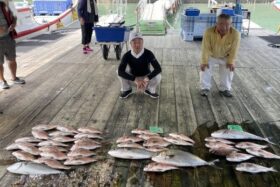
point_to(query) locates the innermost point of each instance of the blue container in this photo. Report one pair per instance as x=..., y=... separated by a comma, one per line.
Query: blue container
x=227, y=11
x=50, y=7
x=111, y=34
x=192, y=12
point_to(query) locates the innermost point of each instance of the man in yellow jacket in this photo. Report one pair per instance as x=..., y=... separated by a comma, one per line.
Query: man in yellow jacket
x=219, y=46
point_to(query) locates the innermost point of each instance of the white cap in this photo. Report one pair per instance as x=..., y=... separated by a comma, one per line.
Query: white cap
x=134, y=35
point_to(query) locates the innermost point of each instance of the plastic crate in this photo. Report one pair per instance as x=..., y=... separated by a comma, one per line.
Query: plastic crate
x=51, y=7
x=111, y=34
x=227, y=11
x=192, y=12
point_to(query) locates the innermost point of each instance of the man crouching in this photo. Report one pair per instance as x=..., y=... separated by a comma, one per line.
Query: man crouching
x=135, y=68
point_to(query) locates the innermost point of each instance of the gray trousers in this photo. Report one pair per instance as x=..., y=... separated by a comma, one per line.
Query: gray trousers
x=127, y=84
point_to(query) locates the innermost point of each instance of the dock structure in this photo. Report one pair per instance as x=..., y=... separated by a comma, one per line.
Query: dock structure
x=66, y=87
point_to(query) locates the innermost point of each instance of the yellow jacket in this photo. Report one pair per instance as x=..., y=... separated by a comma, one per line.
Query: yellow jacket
x=213, y=45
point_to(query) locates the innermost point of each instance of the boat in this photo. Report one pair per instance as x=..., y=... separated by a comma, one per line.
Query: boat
x=30, y=25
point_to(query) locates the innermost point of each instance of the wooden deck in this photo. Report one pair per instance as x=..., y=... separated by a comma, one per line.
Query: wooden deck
x=68, y=88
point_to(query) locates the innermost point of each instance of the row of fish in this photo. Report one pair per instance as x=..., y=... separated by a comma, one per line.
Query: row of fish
x=58, y=146
x=152, y=141
x=154, y=147
x=219, y=144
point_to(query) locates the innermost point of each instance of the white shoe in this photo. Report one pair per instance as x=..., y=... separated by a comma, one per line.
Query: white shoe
x=18, y=81
x=4, y=85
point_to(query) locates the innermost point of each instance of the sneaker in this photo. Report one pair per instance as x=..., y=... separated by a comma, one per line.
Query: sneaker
x=226, y=93
x=88, y=48
x=204, y=92
x=85, y=50
x=125, y=94
x=152, y=95
x=4, y=85
x=18, y=81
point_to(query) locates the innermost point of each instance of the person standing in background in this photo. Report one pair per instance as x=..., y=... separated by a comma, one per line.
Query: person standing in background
x=219, y=46
x=8, y=44
x=88, y=15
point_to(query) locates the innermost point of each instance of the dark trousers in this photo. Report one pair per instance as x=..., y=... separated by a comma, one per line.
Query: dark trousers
x=86, y=33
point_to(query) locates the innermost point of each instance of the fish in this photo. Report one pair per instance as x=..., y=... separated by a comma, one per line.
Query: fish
x=29, y=168
x=142, y=131
x=246, y=145
x=87, y=140
x=87, y=135
x=222, y=151
x=28, y=148
x=180, y=159
x=262, y=153
x=217, y=145
x=237, y=135
x=52, y=143
x=130, y=153
x=60, y=133
x=66, y=129
x=156, y=142
x=156, y=149
x=21, y=155
x=85, y=145
x=44, y=127
x=51, y=163
x=146, y=136
x=238, y=157
x=80, y=153
x=212, y=139
x=63, y=139
x=130, y=145
x=12, y=146
x=28, y=139
x=177, y=141
x=253, y=168
x=52, y=148
x=57, y=155
x=158, y=167
x=126, y=139
x=89, y=130
x=39, y=134
x=182, y=137
x=79, y=161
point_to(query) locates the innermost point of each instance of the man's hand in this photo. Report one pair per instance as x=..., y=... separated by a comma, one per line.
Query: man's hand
x=203, y=67
x=82, y=21
x=231, y=67
x=140, y=84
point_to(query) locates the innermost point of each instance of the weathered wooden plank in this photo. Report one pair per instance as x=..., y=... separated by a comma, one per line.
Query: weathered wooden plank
x=184, y=106
x=167, y=106
x=25, y=110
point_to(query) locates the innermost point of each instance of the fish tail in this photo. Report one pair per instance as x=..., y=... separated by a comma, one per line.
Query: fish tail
x=268, y=141
x=274, y=170
x=212, y=163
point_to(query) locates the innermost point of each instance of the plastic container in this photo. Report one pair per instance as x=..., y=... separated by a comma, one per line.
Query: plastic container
x=227, y=11
x=111, y=34
x=50, y=7
x=192, y=12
